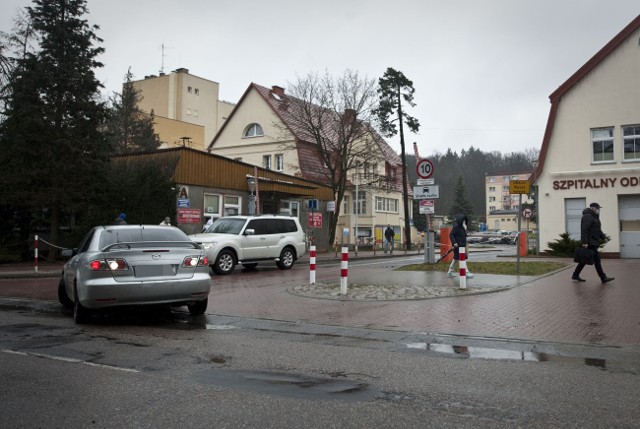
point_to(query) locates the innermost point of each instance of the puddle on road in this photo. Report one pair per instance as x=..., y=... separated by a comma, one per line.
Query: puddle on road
x=472, y=352
x=288, y=385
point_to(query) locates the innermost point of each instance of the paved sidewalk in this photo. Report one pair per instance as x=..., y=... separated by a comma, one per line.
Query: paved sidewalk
x=546, y=308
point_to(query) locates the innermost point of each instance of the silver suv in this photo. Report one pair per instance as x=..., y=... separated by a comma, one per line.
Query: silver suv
x=248, y=240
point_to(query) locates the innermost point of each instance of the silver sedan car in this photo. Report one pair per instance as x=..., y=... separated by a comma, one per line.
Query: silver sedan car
x=129, y=265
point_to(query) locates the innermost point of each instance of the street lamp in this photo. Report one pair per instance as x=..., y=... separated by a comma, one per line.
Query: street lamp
x=251, y=183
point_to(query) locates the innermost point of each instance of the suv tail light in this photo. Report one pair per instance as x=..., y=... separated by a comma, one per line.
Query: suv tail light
x=195, y=261
x=109, y=264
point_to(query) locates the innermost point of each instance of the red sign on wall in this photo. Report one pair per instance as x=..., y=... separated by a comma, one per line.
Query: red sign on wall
x=315, y=220
x=188, y=216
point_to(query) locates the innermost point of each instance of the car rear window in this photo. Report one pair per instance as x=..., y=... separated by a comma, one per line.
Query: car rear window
x=133, y=235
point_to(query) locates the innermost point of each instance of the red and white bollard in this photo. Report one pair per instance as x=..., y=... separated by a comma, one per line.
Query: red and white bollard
x=344, y=268
x=463, y=268
x=312, y=265
x=35, y=253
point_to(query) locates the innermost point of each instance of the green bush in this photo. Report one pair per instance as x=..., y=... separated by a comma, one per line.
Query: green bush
x=564, y=246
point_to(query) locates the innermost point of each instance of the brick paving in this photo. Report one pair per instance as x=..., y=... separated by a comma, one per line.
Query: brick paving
x=549, y=308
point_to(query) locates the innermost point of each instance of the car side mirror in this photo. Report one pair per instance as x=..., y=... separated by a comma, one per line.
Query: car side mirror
x=249, y=232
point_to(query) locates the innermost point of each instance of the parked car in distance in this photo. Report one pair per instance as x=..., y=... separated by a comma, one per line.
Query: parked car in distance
x=131, y=265
x=249, y=240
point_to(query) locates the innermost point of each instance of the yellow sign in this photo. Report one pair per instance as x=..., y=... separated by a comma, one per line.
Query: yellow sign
x=518, y=186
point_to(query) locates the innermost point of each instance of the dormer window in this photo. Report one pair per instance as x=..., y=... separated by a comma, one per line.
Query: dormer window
x=253, y=130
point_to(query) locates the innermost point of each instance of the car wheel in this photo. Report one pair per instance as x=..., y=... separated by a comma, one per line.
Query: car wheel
x=225, y=262
x=62, y=295
x=81, y=315
x=199, y=307
x=250, y=266
x=287, y=259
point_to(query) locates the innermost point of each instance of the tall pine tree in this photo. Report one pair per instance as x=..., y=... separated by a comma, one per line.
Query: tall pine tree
x=461, y=202
x=128, y=128
x=394, y=90
x=52, y=156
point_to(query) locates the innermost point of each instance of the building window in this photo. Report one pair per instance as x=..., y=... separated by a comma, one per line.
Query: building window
x=253, y=130
x=188, y=111
x=492, y=199
x=602, y=144
x=266, y=162
x=290, y=208
x=345, y=210
x=196, y=91
x=232, y=205
x=631, y=136
x=212, y=205
x=360, y=206
x=189, y=89
x=388, y=205
x=492, y=188
x=279, y=158
x=195, y=112
x=573, y=208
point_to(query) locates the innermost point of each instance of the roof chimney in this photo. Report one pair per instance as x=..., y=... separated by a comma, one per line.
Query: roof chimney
x=349, y=115
x=278, y=90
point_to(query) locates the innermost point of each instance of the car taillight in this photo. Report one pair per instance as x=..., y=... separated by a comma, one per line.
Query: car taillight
x=109, y=264
x=195, y=261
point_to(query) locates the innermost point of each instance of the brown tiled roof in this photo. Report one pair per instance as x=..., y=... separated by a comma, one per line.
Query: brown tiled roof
x=311, y=165
x=573, y=80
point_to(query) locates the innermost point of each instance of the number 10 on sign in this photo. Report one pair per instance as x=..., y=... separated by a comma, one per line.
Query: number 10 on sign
x=424, y=168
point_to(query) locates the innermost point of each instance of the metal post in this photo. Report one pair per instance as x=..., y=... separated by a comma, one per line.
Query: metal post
x=463, y=267
x=518, y=237
x=312, y=265
x=35, y=248
x=344, y=270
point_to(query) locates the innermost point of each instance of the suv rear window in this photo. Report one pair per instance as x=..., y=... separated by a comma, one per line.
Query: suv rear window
x=272, y=226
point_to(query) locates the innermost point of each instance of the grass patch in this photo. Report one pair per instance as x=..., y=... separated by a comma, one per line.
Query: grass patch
x=527, y=268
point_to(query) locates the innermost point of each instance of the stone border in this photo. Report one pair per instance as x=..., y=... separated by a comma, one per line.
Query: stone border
x=377, y=293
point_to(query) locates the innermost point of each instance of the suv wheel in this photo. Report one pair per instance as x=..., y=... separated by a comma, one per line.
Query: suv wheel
x=225, y=262
x=287, y=259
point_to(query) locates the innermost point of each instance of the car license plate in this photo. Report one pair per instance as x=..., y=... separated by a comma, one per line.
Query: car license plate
x=154, y=270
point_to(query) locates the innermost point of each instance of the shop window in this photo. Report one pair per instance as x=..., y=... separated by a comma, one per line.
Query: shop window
x=212, y=205
x=232, y=205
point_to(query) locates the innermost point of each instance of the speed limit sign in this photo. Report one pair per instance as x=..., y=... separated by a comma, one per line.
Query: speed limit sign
x=425, y=168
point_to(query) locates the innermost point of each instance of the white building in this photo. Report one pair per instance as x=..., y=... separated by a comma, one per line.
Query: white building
x=591, y=148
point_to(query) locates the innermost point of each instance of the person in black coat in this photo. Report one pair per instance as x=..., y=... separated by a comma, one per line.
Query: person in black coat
x=590, y=236
x=458, y=236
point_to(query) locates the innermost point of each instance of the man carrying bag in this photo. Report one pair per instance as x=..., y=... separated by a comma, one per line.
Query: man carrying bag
x=590, y=236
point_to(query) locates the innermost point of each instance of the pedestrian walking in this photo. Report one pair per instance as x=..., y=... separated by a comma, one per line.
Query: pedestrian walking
x=121, y=219
x=590, y=236
x=458, y=238
x=166, y=221
x=389, y=233
x=207, y=224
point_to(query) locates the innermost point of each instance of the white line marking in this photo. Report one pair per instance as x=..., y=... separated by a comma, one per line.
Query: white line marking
x=69, y=360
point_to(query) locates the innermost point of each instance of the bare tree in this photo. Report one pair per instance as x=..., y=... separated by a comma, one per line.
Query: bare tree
x=330, y=117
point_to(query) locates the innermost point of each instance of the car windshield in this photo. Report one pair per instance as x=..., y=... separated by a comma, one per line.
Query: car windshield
x=227, y=226
x=132, y=235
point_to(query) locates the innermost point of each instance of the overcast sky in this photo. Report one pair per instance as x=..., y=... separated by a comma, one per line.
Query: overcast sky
x=482, y=70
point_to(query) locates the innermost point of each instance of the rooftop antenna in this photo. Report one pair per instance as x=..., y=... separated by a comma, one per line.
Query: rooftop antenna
x=162, y=63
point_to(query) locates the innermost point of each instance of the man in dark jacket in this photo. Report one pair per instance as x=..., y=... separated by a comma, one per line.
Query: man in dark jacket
x=389, y=233
x=458, y=236
x=590, y=236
